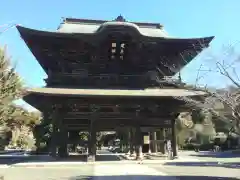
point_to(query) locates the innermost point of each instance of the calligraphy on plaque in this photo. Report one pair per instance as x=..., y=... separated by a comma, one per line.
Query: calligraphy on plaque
x=146, y=139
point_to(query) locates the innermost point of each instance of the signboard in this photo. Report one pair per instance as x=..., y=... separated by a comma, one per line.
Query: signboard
x=146, y=139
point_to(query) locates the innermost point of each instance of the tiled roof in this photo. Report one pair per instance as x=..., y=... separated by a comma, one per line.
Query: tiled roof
x=93, y=28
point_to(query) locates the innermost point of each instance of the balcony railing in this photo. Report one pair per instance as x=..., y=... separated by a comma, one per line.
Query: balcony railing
x=108, y=80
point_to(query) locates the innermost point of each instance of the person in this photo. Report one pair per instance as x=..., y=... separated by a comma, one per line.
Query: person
x=139, y=154
x=217, y=144
x=165, y=145
x=99, y=146
x=169, y=149
x=169, y=145
x=196, y=147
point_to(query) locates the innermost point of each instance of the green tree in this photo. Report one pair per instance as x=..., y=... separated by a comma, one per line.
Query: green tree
x=16, y=123
x=22, y=125
x=11, y=88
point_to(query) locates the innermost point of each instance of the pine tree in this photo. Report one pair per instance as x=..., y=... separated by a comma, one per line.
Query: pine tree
x=11, y=88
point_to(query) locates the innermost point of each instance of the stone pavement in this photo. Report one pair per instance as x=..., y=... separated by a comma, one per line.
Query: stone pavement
x=107, y=158
x=226, y=156
x=120, y=171
x=129, y=171
x=160, y=158
x=93, y=172
x=200, y=172
x=110, y=166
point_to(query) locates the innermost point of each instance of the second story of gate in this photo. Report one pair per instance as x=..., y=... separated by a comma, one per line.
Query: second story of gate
x=109, y=54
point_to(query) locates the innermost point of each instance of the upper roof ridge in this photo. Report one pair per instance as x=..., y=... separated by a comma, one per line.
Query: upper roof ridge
x=120, y=18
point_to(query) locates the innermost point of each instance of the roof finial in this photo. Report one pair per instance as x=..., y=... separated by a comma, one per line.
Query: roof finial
x=120, y=18
x=63, y=19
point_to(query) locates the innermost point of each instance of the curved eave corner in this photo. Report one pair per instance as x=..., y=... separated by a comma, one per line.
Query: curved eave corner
x=206, y=41
x=28, y=94
x=203, y=42
x=28, y=98
x=24, y=31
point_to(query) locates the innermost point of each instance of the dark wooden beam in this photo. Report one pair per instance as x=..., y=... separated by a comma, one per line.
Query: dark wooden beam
x=119, y=122
x=119, y=115
x=110, y=128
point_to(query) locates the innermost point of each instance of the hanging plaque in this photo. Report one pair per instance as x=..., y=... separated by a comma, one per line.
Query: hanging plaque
x=146, y=139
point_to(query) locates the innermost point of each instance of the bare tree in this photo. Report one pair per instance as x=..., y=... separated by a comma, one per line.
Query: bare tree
x=6, y=27
x=229, y=99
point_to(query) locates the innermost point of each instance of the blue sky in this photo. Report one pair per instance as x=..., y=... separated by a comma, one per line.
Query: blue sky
x=181, y=18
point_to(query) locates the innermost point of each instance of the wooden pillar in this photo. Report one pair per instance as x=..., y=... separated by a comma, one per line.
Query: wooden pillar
x=63, y=135
x=174, y=138
x=149, y=145
x=159, y=140
x=45, y=124
x=92, y=145
x=37, y=135
x=74, y=138
x=162, y=138
x=154, y=144
x=92, y=150
x=129, y=141
x=131, y=134
x=121, y=142
x=54, y=134
x=138, y=136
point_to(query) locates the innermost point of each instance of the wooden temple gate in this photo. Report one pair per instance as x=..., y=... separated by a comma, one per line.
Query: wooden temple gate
x=109, y=77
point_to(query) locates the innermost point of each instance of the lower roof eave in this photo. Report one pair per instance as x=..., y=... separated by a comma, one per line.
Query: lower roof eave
x=32, y=95
x=113, y=92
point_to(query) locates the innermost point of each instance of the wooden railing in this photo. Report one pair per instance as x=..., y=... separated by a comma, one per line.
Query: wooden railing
x=106, y=80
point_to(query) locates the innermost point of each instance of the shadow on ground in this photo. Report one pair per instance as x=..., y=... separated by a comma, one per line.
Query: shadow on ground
x=217, y=154
x=78, y=158
x=155, y=157
x=235, y=165
x=10, y=160
x=11, y=151
x=139, y=177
